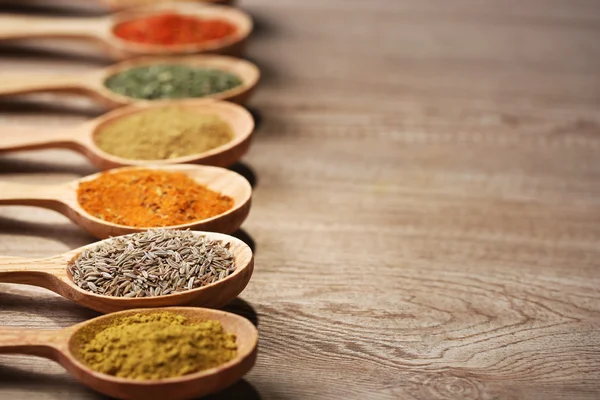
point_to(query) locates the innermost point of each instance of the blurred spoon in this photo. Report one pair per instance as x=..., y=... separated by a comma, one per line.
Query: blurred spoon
x=92, y=83
x=81, y=138
x=100, y=29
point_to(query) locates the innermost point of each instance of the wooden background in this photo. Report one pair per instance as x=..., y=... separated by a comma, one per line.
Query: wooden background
x=427, y=202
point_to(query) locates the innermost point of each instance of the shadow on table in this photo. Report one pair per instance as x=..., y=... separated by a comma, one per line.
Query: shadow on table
x=72, y=235
x=33, y=104
x=240, y=390
x=69, y=234
x=17, y=378
x=242, y=308
x=269, y=75
x=28, y=166
x=265, y=28
x=63, y=309
x=77, y=51
x=246, y=238
x=246, y=171
x=55, y=307
x=257, y=116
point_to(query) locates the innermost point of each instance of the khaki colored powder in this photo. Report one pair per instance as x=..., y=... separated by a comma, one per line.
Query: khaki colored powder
x=157, y=346
x=163, y=133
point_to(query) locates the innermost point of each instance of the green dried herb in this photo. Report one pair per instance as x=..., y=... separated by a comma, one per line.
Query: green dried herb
x=171, y=82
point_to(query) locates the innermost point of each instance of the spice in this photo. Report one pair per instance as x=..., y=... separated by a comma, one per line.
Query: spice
x=173, y=29
x=157, y=346
x=152, y=263
x=163, y=133
x=171, y=82
x=146, y=198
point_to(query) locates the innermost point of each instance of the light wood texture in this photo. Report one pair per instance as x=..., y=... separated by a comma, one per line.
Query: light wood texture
x=64, y=345
x=14, y=26
x=92, y=83
x=100, y=29
x=426, y=209
x=63, y=199
x=81, y=138
x=52, y=273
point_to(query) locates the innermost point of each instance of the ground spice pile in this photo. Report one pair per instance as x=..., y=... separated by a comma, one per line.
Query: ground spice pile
x=170, y=29
x=163, y=133
x=149, y=198
x=157, y=346
x=171, y=81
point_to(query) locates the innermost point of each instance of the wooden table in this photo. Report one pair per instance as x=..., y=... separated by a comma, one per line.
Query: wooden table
x=427, y=203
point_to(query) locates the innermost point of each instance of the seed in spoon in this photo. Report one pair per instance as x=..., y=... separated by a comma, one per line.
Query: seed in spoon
x=155, y=242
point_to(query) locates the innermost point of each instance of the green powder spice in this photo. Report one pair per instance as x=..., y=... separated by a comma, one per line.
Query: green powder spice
x=157, y=346
x=163, y=133
x=171, y=82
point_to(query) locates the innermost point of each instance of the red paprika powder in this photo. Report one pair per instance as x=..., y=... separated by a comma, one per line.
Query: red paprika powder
x=173, y=29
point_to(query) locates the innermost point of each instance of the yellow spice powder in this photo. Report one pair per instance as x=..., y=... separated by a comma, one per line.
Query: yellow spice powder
x=157, y=346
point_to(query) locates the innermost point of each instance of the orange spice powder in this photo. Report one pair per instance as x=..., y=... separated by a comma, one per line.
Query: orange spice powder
x=149, y=198
x=170, y=29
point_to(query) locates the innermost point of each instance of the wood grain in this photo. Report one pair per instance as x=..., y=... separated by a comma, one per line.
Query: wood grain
x=426, y=210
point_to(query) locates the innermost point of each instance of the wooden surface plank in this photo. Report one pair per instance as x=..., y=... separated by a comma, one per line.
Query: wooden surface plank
x=427, y=202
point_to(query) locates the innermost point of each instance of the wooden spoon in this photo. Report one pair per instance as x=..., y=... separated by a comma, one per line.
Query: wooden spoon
x=81, y=137
x=92, y=83
x=122, y=4
x=64, y=346
x=63, y=198
x=52, y=273
x=100, y=29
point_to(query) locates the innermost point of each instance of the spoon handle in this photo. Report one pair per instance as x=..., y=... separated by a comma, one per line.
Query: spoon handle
x=35, y=272
x=14, y=26
x=18, y=138
x=12, y=84
x=20, y=194
x=37, y=342
x=49, y=273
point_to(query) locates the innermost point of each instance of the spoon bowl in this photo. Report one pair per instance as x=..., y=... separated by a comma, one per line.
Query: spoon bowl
x=101, y=29
x=82, y=138
x=122, y=4
x=63, y=346
x=63, y=198
x=91, y=84
x=53, y=274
